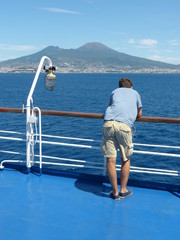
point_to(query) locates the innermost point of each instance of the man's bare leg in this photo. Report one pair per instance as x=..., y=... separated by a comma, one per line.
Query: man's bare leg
x=112, y=174
x=125, y=168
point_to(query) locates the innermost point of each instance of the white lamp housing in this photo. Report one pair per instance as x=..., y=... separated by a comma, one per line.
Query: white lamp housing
x=50, y=78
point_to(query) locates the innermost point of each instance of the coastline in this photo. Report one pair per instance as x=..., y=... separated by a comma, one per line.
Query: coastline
x=97, y=70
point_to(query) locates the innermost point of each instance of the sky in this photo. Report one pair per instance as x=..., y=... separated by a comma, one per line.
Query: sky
x=148, y=29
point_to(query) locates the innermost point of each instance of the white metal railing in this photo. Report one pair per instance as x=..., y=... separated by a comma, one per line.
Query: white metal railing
x=77, y=163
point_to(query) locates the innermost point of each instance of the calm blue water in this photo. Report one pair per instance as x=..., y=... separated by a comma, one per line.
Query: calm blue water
x=90, y=93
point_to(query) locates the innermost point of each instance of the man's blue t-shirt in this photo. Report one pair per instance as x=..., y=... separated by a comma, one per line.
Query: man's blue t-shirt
x=124, y=104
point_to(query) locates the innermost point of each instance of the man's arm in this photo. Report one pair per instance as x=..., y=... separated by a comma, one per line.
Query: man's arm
x=139, y=114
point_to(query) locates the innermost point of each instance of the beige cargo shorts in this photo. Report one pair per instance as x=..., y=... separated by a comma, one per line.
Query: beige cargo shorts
x=117, y=135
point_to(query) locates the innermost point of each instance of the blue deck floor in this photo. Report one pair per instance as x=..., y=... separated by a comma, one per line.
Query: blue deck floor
x=52, y=207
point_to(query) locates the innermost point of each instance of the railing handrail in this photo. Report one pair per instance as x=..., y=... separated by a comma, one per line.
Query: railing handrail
x=91, y=115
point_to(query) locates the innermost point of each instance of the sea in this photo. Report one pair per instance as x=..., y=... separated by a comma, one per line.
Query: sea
x=91, y=93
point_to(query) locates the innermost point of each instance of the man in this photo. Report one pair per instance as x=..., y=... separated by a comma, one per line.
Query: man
x=124, y=107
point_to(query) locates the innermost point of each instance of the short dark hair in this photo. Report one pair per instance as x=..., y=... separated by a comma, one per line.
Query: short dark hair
x=125, y=83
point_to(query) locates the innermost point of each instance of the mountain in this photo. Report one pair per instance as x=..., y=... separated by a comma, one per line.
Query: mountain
x=91, y=57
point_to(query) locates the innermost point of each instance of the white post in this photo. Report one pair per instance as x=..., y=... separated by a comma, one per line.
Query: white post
x=29, y=121
x=40, y=139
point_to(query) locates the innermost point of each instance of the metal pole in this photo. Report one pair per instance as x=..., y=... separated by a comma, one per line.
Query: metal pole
x=29, y=124
x=40, y=139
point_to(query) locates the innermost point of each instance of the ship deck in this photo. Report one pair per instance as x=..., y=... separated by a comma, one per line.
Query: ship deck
x=58, y=207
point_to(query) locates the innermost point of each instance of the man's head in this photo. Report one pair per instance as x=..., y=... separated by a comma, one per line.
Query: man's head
x=125, y=83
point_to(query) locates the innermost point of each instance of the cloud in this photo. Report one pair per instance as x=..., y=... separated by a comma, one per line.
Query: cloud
x=143, y=43
x=11, y=47
x=131, y=41
x=165, y=59
x=174, y=42
x=2, y=58
x=60, y=10
x=148, y=42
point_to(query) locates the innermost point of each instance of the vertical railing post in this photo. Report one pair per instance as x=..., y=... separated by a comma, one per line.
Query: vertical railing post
x=40, y=139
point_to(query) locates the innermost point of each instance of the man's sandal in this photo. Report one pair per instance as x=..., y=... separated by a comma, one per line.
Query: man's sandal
x=127, y=194
x=115, y=197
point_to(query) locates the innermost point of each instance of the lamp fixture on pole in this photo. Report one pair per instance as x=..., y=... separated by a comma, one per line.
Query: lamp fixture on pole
x=50, y=78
